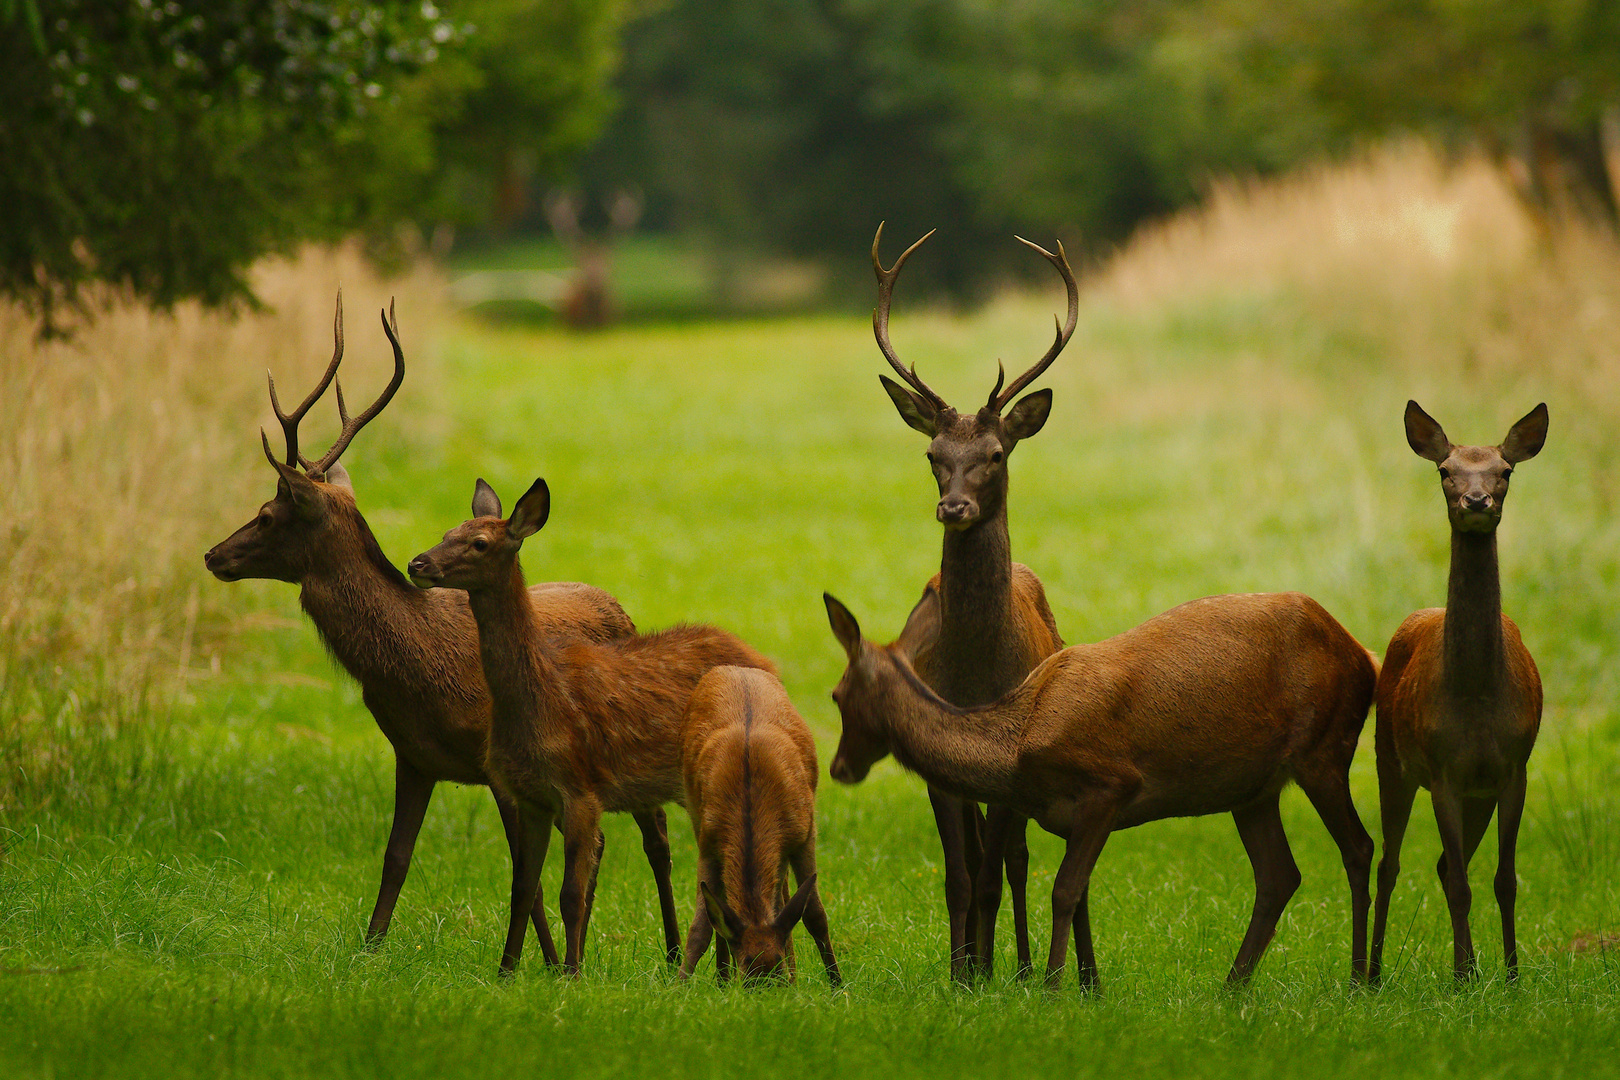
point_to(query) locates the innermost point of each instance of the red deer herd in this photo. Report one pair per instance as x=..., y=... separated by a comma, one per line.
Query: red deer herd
x=548, y=695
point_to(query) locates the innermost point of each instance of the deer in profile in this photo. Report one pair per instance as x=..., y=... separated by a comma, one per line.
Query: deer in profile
x=413, y=652
x=1459, y=699
x=750, y=773
x=995, y=623
x=579, y=728
x=1211, y=707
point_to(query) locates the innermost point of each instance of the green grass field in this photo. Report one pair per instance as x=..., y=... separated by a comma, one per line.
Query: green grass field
x=187, y=896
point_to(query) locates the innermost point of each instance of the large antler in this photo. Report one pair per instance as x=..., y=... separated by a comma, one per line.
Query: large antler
x=999, y=397
x=351, y=427
x=289, y=424
x=880, y=315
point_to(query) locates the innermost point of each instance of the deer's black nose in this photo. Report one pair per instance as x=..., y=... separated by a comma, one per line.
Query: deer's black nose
x=955, y=508
x=1476, y=503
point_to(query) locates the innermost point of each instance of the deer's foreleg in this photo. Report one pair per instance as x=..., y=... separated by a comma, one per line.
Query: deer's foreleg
x=702, y=930
x=529, y=858
x=958, y=884
x=815, y=915
x=1017, y=886
x=1453, y=867
x=412, y=792
x=1089, y=826
x=987, y=886
x=1510, y=809
x=542, y=929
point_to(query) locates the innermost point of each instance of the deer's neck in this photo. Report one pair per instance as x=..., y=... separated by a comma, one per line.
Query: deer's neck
x=1472, y=648
x=375, y=622
x=970, y=753
x=516, y=665
x=976, y=657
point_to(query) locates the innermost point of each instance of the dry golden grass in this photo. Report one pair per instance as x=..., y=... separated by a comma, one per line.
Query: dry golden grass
x=121, y=448
x=1434, y=261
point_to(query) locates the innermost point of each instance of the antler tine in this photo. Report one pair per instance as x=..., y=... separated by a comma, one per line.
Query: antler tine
x=351, y=427
x=880, y=314
x=289, y=424
x=1061, y=261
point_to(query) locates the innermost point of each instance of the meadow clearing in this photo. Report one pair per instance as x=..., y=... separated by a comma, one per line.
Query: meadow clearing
x=193, y=801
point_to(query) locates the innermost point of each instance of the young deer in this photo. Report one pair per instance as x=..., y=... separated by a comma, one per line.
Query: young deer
x=1459, y=699
x=579, y=728
x=1211, y=707
x=750, y=770
x=995, y=623
x=414, y=653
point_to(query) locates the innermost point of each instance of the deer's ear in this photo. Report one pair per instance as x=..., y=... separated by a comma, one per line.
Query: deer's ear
x=1526, y=438
x=922, y=625
x=531, y=512
x=844, y=626
x=790, y=915
x=485, y=502
x=1029, y=415
x=721, y=917
x=914, y=410
x=339, y=476
x=1424, y=434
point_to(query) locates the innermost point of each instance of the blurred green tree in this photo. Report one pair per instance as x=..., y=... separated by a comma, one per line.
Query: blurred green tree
x=163, y=145
x=1536, y=82
x=797, y=125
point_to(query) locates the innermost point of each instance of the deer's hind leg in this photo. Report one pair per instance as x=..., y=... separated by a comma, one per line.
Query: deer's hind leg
x=582, y=824
x=655, y=843
x=1330, y=795
x=1276, y=877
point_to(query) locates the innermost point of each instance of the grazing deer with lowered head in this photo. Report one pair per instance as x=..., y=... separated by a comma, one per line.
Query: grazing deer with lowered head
x=750, y=769
x=579, y=728
x=1459, y=699
x=1211, y=707
x=414, y=652
x=995, y=623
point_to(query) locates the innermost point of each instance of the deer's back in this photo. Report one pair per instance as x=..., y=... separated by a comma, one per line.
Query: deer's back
x=572, y=609
x=1427, y=733
x=615, y=723
x=423, y=682
x=749, y=767
x=1206, y=706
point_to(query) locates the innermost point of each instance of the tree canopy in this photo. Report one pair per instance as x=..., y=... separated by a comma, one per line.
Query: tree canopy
x=163, y=145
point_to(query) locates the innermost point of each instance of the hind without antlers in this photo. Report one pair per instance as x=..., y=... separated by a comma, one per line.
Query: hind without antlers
x=1212, y=707
x=1459, y=699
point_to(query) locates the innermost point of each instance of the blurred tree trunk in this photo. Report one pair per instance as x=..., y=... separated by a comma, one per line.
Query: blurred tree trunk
x=1567, y=174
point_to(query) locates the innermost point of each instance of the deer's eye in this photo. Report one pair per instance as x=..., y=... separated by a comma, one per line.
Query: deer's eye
x=1506, y=473
x=264, y=519
x=995, y=458
x=480, y=544
x=1445, y=474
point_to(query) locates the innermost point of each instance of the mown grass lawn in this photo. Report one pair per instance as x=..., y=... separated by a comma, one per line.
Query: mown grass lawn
x=191, y=900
